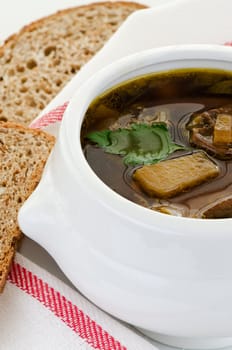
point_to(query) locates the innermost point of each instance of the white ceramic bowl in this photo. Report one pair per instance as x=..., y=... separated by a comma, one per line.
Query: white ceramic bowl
x=164, y=274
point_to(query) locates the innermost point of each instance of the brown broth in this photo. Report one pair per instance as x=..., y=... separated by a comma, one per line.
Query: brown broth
x=176, y=94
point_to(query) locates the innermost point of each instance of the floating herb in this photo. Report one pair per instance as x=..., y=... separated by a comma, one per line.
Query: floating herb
x=139, y=144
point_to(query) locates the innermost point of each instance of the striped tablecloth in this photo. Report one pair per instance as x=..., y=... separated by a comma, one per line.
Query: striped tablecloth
x=40, y=312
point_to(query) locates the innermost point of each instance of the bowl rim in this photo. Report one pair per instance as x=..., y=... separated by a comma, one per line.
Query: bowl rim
x=71, y=126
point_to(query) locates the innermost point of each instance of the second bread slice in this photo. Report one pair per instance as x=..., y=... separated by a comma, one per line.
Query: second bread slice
x=23, y=154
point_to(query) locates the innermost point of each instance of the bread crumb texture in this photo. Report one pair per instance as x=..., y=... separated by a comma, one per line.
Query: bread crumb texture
x=23, y=153
x=37, y=63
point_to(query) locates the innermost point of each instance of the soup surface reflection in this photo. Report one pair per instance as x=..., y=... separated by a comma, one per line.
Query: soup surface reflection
x=164, y=141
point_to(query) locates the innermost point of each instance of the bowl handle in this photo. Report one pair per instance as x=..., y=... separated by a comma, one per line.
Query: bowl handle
x=41, y=217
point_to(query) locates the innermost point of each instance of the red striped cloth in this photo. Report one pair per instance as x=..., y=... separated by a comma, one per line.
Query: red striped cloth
x=41, y=312
x=64, y=309
x=50, y=118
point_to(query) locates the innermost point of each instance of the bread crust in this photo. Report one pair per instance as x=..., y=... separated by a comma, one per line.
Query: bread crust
x=37, y=23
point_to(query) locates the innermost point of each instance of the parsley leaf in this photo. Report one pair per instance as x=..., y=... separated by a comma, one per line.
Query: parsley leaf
x=139, y=144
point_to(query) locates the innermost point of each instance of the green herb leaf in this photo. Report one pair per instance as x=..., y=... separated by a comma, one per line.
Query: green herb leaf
x=141, y=144
x=100, y=137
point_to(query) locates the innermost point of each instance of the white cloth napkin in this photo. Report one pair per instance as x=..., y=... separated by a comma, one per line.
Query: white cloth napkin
x=39, y=312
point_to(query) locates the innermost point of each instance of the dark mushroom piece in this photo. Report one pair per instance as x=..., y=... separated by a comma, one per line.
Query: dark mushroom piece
x=221, y=209
x=212, y=131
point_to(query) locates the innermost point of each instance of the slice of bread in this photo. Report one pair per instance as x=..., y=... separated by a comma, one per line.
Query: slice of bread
x=23, y=153
x=36, y=63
